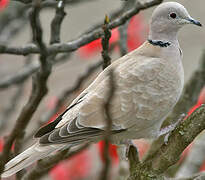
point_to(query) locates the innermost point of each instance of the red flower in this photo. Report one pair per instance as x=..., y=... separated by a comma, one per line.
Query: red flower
x=202, y=168
x=134, y=38
x=112, y=152
x=3, y=4
x=77, y=167
x=201, y=100
x=1, y=145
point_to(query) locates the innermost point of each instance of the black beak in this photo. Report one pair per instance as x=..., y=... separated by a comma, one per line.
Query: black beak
x=193, y=21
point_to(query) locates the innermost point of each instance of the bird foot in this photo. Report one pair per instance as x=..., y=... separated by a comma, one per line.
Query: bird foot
x=167, y=130
x=129, y=143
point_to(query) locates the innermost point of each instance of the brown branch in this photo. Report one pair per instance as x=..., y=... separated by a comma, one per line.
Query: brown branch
x=108, y=119
x=168, y=154
x=123, y=29
x=83, y=39
x=163, y=153
x=29, y=2
x=39, y=89
x=105, y=43
x=45, y=165
x=23, y=74
x=57, y=21
x=181, y=137
x=187, y=100
x=26, y=72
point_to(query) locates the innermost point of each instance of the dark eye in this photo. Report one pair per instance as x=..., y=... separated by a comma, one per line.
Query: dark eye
x=173, y=15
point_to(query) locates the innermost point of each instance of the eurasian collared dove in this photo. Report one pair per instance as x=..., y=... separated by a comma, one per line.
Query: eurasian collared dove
x=148, y=80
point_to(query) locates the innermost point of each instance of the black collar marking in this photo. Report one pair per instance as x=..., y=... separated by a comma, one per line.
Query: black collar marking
x=159, y=43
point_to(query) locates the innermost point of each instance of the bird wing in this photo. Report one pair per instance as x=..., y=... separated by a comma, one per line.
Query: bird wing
x=133, y=80
x=84, y=120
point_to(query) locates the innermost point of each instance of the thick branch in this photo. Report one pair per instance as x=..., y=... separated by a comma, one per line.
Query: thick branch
x=168, y=154
x=187, y=100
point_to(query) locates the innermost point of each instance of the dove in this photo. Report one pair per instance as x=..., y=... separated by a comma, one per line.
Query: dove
x=148, y=83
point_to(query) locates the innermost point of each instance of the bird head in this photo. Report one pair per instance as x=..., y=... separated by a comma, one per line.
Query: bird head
x=169, y=17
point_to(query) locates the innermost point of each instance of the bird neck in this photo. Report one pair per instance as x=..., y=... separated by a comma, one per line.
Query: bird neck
x=170, y=37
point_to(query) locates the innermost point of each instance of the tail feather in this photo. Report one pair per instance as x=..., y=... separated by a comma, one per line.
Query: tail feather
x=28, y=157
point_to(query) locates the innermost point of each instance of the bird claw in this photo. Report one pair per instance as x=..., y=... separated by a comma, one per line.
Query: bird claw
x=168, y=130
x=129, y=143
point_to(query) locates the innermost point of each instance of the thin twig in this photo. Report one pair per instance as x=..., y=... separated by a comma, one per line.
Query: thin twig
x=39, y=89
x=57, y=21
x=29, y=2
x=105, y=43
x=83, y=39
x=23, y=74
x=127, y=5
x=108, y=119
x=67, y=92
x=87, y=37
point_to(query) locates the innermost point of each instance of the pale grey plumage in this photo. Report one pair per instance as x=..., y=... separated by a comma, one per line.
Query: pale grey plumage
x=148, y=80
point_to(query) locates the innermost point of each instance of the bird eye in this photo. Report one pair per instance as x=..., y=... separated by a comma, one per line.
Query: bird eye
x=173, y=15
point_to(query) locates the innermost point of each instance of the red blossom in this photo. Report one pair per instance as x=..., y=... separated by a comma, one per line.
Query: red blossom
x=202, y=168
x=134, y=38
x=1, y=145
x=201, y=100
x=77, y=167
x=3, y=4
x=112, y=152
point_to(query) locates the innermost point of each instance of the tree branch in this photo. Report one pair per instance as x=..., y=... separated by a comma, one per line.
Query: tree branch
x=67, y=92
x=187, y=100
x=168, y=154
x=39, y=88
x=108, y=119
x=83, y=39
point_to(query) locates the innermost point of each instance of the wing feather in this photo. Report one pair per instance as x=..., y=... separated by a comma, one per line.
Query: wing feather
x=86, y=119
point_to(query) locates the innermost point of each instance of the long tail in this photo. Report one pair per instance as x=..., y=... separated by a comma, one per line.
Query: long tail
x=27, y=157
